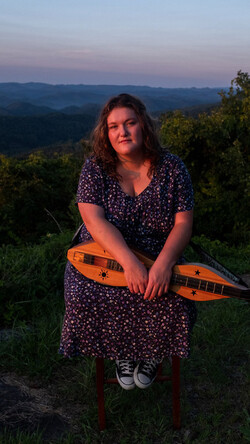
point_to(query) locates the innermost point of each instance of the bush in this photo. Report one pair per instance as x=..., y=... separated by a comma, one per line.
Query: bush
x=32, y=280
x=34, y=189
x=215, y=149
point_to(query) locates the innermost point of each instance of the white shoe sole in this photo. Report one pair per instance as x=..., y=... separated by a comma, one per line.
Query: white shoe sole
x=139, y=383
x=125, y=386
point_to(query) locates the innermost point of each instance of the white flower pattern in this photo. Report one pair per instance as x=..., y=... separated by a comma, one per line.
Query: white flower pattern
x=111, y=322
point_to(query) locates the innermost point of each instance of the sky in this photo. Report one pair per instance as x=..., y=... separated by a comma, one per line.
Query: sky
x=161, y=43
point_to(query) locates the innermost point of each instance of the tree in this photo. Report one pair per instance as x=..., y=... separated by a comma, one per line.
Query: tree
x=215, y=148
x=33, y=189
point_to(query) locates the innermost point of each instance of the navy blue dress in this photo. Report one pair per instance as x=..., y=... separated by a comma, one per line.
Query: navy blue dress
x=112, y=322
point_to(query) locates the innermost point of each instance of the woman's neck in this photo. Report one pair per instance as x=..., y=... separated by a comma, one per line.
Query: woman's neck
x=134, y=163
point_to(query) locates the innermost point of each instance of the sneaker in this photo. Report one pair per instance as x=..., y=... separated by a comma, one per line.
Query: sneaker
x=145, y=373
x=125, y=374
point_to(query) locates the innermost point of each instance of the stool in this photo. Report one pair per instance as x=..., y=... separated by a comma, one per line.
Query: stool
x=174, y=377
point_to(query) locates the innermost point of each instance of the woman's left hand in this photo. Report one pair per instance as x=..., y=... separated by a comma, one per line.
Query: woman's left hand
x=158, y=280
x=160, y=273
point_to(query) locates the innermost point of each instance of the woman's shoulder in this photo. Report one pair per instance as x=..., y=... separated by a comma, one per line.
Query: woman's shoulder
x=92, y=166
x=90, y=162
x=169, y=160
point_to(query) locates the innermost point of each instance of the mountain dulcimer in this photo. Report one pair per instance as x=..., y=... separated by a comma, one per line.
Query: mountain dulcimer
x=194, y=281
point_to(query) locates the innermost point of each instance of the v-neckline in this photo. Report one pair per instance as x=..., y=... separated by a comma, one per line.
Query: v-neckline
x=138, y=195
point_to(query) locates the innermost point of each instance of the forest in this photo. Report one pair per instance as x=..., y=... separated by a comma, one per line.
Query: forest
x=38, y=218
x=22, y=134
x=34, y=115
x=40, y=188
x=37, y=192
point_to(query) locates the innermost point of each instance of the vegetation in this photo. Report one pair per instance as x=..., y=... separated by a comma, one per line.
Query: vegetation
x=214, y=392
x=38, y=214
x=20, y=135
x=215, y=148
x=35, y=193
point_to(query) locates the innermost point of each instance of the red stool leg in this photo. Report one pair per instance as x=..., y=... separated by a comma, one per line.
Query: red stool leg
x=159, y=371
x=176, y=392
x=100, y=393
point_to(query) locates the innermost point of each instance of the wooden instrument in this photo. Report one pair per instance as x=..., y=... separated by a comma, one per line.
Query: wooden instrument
x=194, y=281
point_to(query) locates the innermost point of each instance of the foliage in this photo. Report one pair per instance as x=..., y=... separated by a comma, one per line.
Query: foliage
x=214, y=383
x=20, y=135
x=32, y=305
x=32, y=275
x=235, y=258
x=215, y=148
x=32, y=279
x=35, y=192
x=21, y=437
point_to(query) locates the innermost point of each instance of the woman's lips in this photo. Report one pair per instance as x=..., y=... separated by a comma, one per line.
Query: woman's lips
x=125, y=141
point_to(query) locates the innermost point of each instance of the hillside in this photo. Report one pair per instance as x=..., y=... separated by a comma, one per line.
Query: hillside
x=58, y=97
x=20, y=135
x=34, y=115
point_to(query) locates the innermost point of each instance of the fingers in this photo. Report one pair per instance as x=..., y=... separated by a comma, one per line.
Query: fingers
x=142, y=288
x=155, y=290
x=152, y=284
x=137, y=278
x=158, y=282
x=137, y=287
x=150, y=291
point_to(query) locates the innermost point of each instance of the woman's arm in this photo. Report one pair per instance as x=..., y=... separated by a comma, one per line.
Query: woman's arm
x=111, y=239
x=161, y=271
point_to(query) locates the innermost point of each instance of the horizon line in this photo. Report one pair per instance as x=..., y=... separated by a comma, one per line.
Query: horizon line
x=113, y=85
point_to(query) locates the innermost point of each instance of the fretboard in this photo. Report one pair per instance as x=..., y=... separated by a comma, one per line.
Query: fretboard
x=90, y=259
x=177, y=279
x=203, y=285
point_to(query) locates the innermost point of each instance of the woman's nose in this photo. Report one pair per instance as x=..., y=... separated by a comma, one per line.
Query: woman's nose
x=123, y=130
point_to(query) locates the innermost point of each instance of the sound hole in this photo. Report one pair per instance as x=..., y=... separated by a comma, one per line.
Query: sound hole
x=104, y=274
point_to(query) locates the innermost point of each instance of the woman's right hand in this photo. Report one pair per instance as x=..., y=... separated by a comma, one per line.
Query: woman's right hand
x=136, y=276
x=111, y=239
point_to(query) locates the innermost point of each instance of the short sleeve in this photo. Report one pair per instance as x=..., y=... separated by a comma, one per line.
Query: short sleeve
x=91, y=184
x=183, y=195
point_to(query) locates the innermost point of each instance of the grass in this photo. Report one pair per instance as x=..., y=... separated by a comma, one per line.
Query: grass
x=214, y=381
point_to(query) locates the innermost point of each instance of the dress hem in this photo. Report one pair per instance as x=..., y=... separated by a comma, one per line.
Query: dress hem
x=113, y=358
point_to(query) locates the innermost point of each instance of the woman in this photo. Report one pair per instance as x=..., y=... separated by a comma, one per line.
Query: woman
x=131, y=192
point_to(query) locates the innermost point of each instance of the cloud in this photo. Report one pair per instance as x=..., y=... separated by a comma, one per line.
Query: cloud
x=76, y=52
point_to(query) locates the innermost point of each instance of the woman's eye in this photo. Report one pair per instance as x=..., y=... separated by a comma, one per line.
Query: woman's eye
x=112, y=127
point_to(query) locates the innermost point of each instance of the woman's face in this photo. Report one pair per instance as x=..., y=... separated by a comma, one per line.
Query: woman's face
x=124, y=132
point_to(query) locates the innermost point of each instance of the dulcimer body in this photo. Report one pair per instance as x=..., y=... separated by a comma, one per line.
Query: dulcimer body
x=194, y=281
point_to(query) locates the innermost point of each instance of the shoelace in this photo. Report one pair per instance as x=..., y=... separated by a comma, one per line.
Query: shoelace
x=148, y=367
x=127, y=367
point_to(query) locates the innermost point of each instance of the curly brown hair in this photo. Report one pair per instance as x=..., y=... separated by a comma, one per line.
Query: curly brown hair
x=103, y=151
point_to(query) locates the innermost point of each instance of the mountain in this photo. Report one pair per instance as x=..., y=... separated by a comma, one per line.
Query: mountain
x=58, y=97
x=22, y=134
x=27, y=109
x=35, y=115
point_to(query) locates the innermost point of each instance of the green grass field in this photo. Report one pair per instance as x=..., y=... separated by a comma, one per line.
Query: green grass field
x=214, y=380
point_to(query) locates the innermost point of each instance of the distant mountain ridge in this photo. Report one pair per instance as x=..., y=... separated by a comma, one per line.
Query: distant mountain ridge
x=24, y=109
x=34, y=115
x=58, y=97
x=27, y=109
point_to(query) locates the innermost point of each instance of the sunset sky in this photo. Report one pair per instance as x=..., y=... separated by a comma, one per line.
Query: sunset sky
x=138, y=42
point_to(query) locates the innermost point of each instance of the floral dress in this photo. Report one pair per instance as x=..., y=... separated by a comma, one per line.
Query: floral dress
x=112, y=322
